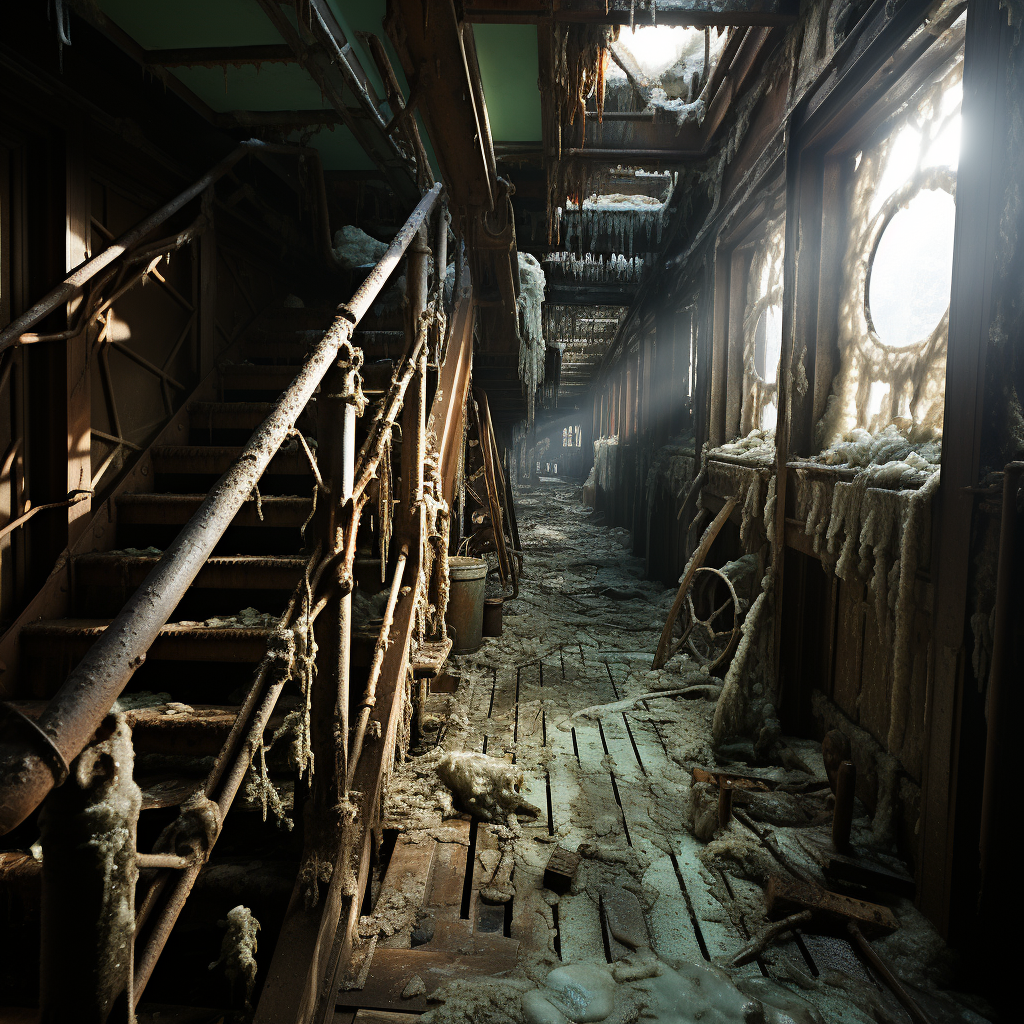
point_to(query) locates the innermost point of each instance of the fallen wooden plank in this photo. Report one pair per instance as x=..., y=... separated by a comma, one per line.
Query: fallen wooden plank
x=392, y=971
x=364, y=1016
x=786, y=897
x=407, y=877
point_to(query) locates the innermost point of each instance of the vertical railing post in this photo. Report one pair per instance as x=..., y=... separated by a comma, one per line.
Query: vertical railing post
x=414, y=415
x=415, y=409
x=337, y=408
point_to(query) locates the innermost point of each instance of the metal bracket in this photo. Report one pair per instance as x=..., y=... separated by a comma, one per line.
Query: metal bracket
x=49, y=749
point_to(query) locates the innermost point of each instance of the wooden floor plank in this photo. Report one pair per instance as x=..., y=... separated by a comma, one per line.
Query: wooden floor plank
x=720, y=934
x=394, y=969
x=596, y=783
x=406, y=878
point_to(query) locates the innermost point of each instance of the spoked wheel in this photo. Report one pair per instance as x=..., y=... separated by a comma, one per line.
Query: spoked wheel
x=709, y=626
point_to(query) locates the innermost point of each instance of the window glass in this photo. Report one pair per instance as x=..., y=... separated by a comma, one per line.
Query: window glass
x=897, y=269
x=762, y=330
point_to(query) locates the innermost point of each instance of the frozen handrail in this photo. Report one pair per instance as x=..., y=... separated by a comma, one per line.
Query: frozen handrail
x=30, y=768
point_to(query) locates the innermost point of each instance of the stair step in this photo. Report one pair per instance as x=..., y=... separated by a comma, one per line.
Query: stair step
x=428, y=657
x=215, y=459
x=232, y=415
x=186, y=730
x=241, y=572
x=175, y=642
x=177, y=509
x=253, y=377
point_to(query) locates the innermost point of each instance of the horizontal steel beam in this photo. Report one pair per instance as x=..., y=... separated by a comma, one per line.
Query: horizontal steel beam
x=274, y=118
x=625, y=12
x=220, y=56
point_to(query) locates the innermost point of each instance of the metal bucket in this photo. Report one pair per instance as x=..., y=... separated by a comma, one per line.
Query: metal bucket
x=492, y=616
x=467, y=578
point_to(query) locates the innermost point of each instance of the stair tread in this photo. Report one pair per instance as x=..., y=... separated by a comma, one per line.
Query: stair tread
x=245, y=561
x=290, y=461
x=94, y=627
x=222, y=572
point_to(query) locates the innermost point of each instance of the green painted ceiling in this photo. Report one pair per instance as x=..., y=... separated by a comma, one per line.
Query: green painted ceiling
x=507, y=53
x=508, y=69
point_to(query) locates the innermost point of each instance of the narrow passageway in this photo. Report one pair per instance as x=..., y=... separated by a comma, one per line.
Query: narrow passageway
x=601, y=859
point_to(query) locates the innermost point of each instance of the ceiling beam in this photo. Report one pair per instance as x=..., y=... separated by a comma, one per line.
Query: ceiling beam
x=219, y=56
x=278, y=118
x=698, y=13
x=328, y=59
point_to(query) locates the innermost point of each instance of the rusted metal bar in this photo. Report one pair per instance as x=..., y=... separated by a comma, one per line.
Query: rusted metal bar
x=370, y=694
x=906, y=1000
x=373, y=447
x=72, y=499
x=74, y=713
x=400, y=110
x=221, y=783
x=162, y=860
x=74, y=282
x=842, y=818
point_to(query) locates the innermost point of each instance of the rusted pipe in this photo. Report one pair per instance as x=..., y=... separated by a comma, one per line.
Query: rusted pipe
x=74, y=499
x=842, y=817
x=383, y=640
x=72, y=284
x=74, y=713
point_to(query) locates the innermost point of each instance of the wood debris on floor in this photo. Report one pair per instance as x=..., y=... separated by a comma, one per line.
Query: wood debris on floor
x=469, y=918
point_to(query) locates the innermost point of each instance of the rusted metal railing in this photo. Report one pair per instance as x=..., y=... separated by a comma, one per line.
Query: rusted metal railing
x=35, y=760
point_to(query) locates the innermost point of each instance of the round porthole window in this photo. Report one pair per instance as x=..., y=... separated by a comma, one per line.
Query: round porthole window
x=908, y=290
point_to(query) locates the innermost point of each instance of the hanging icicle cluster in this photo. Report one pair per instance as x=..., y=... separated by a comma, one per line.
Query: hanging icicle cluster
x=580, y=60
x=591, y=269
x=531, y=327
x=633, y=222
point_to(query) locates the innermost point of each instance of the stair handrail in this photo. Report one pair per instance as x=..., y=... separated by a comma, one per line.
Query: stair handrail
x=80, y=277
x=35, y=758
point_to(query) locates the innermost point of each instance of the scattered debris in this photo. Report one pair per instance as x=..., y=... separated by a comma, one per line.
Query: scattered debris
x=486, y=787
x=238, y=949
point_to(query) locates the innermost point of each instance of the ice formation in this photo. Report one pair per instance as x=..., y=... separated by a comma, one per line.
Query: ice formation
x=531, y=332
x=238, y=949
x=633, y=223
x=757, y=446
x=88, y=830
x=872, y=529
x=355, y=248
x=744, y=709
x=644, y=986
x=487, y=787
x=247, y=618
x=590, y=269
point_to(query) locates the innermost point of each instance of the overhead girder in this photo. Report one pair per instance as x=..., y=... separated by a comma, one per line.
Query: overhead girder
x=698, y=13
x=438, y=54
x=318, y=45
